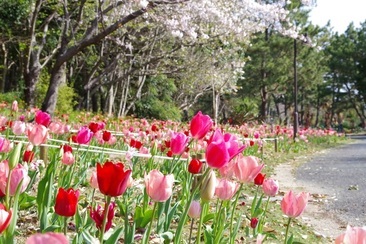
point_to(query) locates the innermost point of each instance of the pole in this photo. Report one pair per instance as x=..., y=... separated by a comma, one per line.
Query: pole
x=295, y=92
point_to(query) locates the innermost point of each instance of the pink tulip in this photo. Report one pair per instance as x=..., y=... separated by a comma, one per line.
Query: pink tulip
x=46, y=238
x=93, y=181
x=200, y=125
x=42, y=118
x=178, y=143
x=226, y=189
x=221, y=149
x=293, y=205
x=194, y=210
x=5, y=145
x=5, y=217
x=18, y=127
x=84, y=135
x=217, y=154
x=14, y=106
x=158, y=186
x=57, y=128
x=37, y=134
x=19, y=173
x=270, y=187
x=68, y=158
x=353, y=235
x=246, y=168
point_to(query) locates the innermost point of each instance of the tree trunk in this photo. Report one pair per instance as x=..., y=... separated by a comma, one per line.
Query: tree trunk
x=57, y=78
x=31, y=80
x=264, y=96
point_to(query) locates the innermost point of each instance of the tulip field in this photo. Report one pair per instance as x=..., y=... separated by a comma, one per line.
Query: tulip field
x=95, y=179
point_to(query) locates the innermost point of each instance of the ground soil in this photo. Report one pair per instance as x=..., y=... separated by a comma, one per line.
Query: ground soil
x=315, y=215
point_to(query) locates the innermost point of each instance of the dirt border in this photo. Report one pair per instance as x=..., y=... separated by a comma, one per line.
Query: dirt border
x=324, y=223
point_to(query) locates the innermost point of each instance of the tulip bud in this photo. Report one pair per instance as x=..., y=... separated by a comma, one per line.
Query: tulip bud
x=194, y=210
x=253, y=222
x=14, y=156
x=258, y=180
x=195, y=166
x=208, y=187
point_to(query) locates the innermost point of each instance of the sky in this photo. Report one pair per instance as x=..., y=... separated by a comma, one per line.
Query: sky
x=340, y=13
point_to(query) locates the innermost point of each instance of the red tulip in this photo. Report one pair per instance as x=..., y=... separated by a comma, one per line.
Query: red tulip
x=158, y=186
x=136, y=144
x=98, y=215
x=200, y=125
x=94, y=127
x=43, y=118
x=112, y=178
x=28, y=156
x=84, y=135
x=66, y=202
x=106, y=136
x=195, y=166
x=270, y=187
x=253, y=222
x=178, y=143
x=5, y=217
x=67, y=148
x=46, y=238
x=258, y=180
x=293, y=205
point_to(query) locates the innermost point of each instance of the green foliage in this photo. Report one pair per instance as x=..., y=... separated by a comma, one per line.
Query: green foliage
x=13, y=13
x=9, y=97
x=244, y=110
x=41, y=89
x=158, y=103
x=66, y=99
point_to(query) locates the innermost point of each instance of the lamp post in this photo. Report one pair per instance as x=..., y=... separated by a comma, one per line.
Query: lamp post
x=296, y=115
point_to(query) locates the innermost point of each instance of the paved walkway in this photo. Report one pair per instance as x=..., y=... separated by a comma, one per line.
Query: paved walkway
x=340, y=173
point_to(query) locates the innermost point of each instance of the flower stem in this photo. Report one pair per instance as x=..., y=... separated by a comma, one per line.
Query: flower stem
x=262, y=221
x=65, y=226
x=7, y=190
x=105, y=217
x=198, y=240
x=182, y=221
x=288, y=226
x=190, y=231
x=232, y=236
x=146, y=238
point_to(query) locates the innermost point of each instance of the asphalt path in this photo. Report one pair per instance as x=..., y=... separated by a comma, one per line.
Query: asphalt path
x=341, y=174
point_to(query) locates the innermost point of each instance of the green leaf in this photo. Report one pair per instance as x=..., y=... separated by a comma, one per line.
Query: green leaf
x=87, y=238
x=115, y=236
x=208, y=217
x=167, y=236
x=52, y=228
x=290, y=240
x=14, y=156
